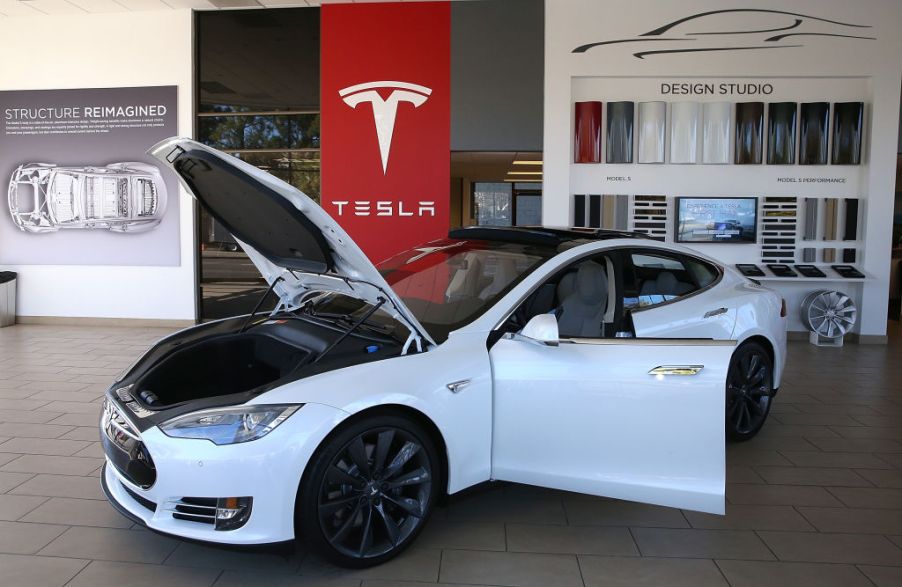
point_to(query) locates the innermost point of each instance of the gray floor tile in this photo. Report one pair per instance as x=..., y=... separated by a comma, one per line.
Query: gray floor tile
x=854, y=521
x=462, y=535
x=58, y=486
x=868, y=497
x=414, y=564
x=43, y=446
x=780, y=495
x=112, y=545
x=742, y=474
x=510, y=568
x=22, y=430
x=22, y=538
x=732, y=544
x=609, y=512
x=82, y=433
x=118, y=574
x=883, y=576
x=257, y=579
x=599, y=571
x=9, y=481
x=751, y=517
x=188, y=554
x=857, y=444
x=38, y=571
x=851, y=460
x=812, y=476
x=52, y=465
x=882, y=478
x=13, y=507
x=78, y=512
x=780, y=574
x=27, y=416
x=833, y=548
x=495, y=506
x=609, y=541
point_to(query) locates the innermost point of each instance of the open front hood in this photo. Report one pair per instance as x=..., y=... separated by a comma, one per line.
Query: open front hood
x=286, y=234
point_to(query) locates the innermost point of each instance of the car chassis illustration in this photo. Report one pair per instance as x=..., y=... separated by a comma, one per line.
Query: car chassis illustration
x=121, y=197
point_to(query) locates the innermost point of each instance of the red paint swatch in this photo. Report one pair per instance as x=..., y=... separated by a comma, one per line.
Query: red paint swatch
x=587, y=133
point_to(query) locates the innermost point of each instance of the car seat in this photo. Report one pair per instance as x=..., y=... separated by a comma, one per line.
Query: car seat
x=582, y=309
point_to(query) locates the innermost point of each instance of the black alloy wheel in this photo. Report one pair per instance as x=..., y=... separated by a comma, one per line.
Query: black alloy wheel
x=370, y=491
x=750, y=387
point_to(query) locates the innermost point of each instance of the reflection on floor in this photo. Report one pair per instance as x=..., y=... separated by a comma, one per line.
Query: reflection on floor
x=816, y=499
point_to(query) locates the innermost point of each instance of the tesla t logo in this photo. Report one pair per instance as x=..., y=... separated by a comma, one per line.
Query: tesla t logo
x=385, y=109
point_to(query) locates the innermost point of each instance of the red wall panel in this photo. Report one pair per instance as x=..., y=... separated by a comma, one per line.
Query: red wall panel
x=385, y=86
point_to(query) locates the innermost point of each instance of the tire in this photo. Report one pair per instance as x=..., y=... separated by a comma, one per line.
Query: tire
x=749, y=391
x=368, y=491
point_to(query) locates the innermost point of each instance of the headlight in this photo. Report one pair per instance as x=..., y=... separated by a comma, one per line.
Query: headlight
x=229, y=425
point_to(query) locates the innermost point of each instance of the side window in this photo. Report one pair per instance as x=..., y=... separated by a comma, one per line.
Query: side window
x=661, y=278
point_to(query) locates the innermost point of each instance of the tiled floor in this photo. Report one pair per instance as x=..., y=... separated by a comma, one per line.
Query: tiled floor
x=816, y=499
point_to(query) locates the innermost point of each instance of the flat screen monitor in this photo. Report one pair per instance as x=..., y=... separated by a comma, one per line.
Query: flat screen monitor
x=717, y=220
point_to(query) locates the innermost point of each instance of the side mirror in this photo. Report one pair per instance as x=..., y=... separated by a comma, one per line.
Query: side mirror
x=542, y=329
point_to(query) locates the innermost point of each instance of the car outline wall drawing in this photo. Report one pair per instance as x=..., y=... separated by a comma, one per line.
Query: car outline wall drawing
x=125, y=197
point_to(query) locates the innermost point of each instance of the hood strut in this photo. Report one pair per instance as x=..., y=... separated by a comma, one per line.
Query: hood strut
x=271, y=287
x=352, y=328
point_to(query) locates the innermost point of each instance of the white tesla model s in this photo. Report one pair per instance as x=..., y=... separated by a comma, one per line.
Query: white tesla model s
x=601, y=362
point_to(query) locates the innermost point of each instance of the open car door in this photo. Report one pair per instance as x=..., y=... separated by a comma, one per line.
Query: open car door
x=634, y=419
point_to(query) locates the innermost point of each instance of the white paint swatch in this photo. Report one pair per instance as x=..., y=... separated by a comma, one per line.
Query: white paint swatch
x=652, y=116
x=716, y=132
x=684, y=132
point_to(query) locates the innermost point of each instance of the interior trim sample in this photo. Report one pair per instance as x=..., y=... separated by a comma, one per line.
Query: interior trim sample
x=810, y=219
x=749, y=131
x=809, y=254
x=828, y=255
x=831, y=211
x=781, y=133
x=652, y=118
x=594, y=211
x=587, y=133
x=619, y=135
x=684, y=132
x=848, y=255
x=850, y=226
x=579, y=210
x=847, y=133
x=813, y=120
x=614, y=211
x=716, y=132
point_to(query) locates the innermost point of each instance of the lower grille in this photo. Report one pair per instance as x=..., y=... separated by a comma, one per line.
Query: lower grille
x=194, y=509
x=141, y=500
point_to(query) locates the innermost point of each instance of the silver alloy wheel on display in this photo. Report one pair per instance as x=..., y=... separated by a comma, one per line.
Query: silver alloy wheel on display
x=830, y=314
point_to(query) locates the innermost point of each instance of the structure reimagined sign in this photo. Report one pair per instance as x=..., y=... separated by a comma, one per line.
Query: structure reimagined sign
x=81, y=188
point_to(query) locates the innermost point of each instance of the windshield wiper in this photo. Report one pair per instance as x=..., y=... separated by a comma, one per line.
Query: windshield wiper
x=350, y=330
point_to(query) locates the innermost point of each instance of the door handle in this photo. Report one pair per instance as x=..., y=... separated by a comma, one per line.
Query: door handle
x=717, y=312
x=662, y=370
x=457, y=386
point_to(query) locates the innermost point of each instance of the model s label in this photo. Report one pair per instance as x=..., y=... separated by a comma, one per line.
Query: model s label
x=385, y=110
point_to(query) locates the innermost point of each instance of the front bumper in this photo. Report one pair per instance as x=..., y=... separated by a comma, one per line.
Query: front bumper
x=268, y=469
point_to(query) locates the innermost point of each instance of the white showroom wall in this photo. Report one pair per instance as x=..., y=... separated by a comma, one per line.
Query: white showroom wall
x=106, y=51
x=818, y=60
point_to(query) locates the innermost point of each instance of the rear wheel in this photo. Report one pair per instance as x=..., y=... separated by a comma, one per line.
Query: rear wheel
x=750, y=387
x=369, y=491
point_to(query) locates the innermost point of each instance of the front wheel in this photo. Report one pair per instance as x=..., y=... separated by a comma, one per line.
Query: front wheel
x=750, y=387
x=368, y=491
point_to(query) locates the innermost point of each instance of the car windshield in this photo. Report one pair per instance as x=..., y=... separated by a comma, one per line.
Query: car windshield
x=450, y=283
x=447, y=284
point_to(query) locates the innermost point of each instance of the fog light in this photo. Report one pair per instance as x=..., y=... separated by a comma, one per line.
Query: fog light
x=232, y=512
